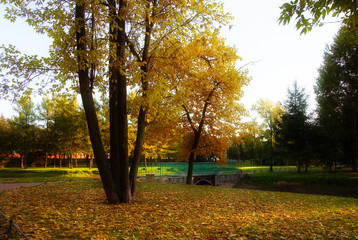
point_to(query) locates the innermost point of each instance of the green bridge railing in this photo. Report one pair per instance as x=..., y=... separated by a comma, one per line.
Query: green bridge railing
x=181, y=168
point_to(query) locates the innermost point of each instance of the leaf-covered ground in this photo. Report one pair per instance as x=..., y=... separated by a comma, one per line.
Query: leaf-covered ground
x=77, y=210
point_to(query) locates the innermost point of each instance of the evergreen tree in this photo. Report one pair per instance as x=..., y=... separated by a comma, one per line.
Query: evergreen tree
x=337, y=98
x=294, y=126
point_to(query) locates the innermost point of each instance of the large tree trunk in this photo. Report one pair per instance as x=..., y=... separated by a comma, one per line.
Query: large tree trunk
x=137, y=149
x=90, y=111
x=189, y=177
x=355, y=143
x=118, y=103
x=142, y=112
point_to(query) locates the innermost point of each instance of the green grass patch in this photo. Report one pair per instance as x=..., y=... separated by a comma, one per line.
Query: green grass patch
x=259, y=169
x=314, y=181
x=77, y=210
x=32, y=174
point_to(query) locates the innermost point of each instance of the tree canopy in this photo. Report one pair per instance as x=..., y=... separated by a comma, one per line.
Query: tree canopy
x=107, y=46
x=337, y=98
x=271, y=114
x=311, y=13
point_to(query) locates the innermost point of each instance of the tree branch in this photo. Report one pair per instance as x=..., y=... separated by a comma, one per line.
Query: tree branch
x=189, y=118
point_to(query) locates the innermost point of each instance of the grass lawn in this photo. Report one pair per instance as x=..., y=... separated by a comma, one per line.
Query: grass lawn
x=259, y=169
x=77, y=210
x=37, y=174
x=313, y=181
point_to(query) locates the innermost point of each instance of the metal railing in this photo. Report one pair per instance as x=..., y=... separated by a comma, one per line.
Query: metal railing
x=12, y=226
x=181, y=168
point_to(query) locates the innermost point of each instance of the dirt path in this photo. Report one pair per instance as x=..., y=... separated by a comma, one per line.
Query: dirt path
x=10, y=186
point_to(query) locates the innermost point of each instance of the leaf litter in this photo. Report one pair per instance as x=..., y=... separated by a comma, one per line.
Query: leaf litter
x=77, y=210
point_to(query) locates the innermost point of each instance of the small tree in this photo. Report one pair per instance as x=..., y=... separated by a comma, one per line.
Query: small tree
x=209, y=87
x=24, y=128
x=46, y=111
x=271, y=114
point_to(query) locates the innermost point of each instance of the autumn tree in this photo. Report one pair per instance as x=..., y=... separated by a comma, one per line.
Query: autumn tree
x=24, y=126
x=159, y=29
x=66, y=126
x=90, y=41
x=209, y=85
x=82, y=52
x=271, y=114
x=250, y=143
x=46, y=111
x=336, y=93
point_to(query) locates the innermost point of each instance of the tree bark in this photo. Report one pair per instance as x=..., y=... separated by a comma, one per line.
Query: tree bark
x=189, y=178
x=113, y=94
x=89, y=107
x=197, y=133
x=118, y=103
x=271, y=150
x=137, y=149
x=141, y=121
x=355, y=144
x=91, y=162
x=22, y=161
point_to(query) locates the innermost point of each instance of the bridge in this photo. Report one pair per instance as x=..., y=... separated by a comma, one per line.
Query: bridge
x=204, y=180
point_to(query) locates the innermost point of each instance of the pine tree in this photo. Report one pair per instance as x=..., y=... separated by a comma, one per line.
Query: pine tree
x=294, y=126
x=337, y=98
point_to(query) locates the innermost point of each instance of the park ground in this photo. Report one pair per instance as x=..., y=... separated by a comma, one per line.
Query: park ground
x=76, y=209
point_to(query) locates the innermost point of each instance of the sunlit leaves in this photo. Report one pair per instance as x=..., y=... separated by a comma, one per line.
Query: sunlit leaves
x=59, y=69
x=311, y=13
x=18, y=71
x=209, y=87
x=271, y=115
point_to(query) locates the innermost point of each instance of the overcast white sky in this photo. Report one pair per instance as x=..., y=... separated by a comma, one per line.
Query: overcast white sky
x=285, y=55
